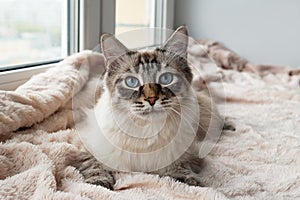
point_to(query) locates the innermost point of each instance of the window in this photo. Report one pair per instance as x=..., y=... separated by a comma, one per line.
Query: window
x=39, y=32
x=32, y=31
x=133, y=14
x=135, y=21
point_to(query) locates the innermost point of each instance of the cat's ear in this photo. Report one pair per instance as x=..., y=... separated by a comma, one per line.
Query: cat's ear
x=177, y=43
x=112, y=48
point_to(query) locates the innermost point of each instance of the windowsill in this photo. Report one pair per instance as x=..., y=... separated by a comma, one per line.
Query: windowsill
x=10, y=80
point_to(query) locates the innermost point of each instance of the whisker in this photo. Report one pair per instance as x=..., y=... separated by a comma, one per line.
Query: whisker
x=137, y=109
x=200, y=108
x=166, y=106
x=138, y=106
x=187, y=121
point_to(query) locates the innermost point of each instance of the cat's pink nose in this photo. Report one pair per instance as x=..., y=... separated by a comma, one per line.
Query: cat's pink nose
x=151, y=100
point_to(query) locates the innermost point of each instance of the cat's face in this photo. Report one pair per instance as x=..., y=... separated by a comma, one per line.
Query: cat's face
x=150, y=82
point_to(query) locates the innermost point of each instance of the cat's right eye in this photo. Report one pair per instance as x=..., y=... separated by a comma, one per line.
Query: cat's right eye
x=132, y=82
x=166, y=78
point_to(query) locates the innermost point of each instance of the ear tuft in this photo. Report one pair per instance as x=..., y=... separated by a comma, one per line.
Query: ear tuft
x=112, y=48
x=177, y=43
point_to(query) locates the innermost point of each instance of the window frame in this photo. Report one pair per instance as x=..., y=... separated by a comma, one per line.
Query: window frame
x=164, y=14
x=13, y=76
x=65, y=34
x=86, y=21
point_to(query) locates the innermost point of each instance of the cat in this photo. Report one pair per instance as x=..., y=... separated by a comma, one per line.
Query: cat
x=151, y=119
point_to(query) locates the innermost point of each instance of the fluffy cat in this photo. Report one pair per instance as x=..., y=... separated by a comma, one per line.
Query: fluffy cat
x=151, y=120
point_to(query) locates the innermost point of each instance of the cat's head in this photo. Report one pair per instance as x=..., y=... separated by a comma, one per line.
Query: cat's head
x=147, y=82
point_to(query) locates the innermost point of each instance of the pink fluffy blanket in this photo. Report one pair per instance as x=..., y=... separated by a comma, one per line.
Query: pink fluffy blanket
x=260, y=160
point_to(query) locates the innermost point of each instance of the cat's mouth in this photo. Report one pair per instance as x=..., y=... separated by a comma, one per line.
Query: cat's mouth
x=152, y=110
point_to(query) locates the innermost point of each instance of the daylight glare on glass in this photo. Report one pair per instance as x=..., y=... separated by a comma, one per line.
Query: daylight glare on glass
x=133, y=14
x=31, y=33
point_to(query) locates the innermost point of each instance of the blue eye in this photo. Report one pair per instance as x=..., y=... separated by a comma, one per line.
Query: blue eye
x=166, y=78
x=132, y=82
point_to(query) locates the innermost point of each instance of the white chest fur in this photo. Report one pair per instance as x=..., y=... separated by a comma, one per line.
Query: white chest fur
x=128, y=145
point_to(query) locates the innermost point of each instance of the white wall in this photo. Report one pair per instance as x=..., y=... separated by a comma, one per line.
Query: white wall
x=262, y=31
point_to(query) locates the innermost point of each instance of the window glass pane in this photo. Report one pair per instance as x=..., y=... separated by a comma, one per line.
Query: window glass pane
x=133, y=14
x=32, y=31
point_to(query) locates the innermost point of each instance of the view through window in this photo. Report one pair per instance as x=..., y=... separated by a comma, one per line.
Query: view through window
x=137, y=23
x=133, y=14
x=32, y=31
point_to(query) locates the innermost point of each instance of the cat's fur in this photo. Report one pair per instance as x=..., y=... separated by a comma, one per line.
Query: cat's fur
x=151, y=101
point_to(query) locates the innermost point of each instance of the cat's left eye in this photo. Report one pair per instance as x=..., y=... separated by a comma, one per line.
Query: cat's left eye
x=166, y=78
x=132, y=82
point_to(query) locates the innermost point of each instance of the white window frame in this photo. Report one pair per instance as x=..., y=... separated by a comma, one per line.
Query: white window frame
x=94, y=17
x=94, y=23
x=164, y=16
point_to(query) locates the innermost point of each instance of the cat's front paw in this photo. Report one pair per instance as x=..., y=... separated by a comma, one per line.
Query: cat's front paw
x=93, y=171
x=185, y=175
x=190, y=180
x=104, y=181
